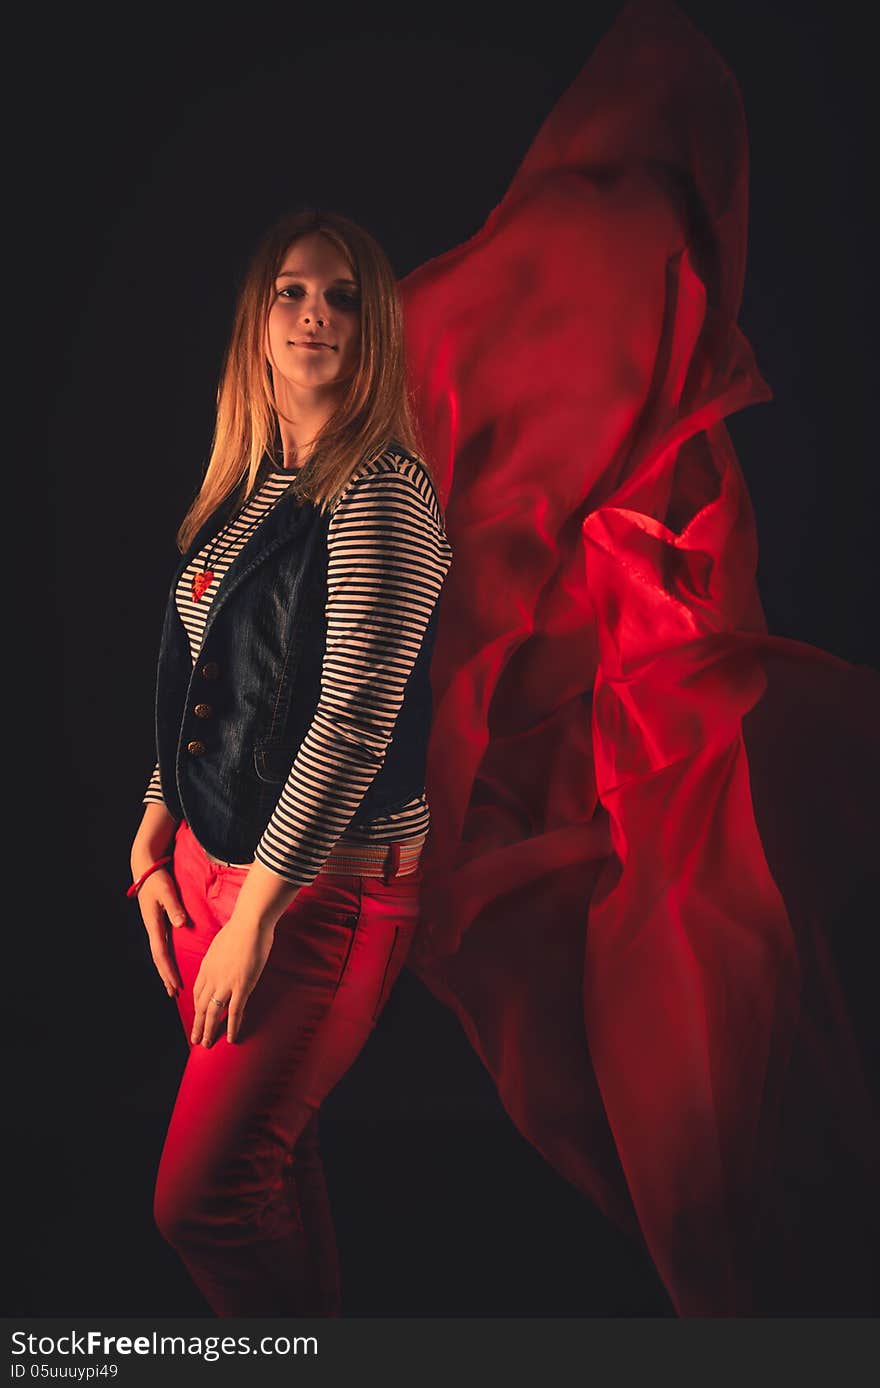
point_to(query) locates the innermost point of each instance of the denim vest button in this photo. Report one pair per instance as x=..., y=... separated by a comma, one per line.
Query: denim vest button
x=211, y=670
x=196, y=748
x=203, y=711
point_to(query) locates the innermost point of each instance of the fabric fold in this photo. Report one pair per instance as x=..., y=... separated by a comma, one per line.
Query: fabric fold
x=628, y=899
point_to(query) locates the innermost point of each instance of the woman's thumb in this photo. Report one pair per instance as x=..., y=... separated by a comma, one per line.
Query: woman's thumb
x=174, y=911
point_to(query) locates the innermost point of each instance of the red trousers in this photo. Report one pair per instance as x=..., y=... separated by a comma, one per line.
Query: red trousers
x=240, y=1190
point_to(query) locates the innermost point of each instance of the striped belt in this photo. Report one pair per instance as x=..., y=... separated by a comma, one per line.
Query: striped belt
x=385, y=860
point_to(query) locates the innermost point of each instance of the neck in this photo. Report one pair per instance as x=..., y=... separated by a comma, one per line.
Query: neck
x=300, y=417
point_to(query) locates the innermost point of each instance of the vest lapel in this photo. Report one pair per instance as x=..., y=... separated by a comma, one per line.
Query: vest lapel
x=281, y=524
x=288, y=521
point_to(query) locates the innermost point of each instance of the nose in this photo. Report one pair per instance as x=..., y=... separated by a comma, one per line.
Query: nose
x=313, y=313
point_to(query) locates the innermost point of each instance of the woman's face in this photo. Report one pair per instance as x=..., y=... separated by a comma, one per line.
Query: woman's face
x=315, y=300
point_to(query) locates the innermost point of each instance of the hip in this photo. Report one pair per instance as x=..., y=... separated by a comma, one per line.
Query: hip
x=400, y=858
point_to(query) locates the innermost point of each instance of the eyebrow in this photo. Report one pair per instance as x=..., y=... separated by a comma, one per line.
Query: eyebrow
x=298, y=275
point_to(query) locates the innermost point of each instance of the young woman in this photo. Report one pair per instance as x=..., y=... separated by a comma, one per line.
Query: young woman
x=285, y=817
x=633, y=888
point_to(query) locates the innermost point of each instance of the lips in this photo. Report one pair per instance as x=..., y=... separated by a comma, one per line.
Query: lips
x=315, y=346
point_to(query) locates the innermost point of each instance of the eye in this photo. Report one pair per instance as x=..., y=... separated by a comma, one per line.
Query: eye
x=344, y=298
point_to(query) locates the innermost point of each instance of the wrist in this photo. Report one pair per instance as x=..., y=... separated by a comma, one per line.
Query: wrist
x=144, y=855
x=263, y=898
x=154, y=838
x=141, y=877
x=261, y=925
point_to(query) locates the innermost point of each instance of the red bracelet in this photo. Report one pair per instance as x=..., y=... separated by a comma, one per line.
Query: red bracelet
x=136, y=886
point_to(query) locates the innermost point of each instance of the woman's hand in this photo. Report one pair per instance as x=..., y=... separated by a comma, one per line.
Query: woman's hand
x=237, y=955
x=158, y=899
x=159, y=904
x=230, y=968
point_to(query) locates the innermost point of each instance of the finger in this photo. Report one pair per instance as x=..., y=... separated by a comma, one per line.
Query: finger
x=198, y=1023
x=172, y=984
x=173, y=910
x=199, y=986
x=154, y=920
x=213, y=1020
x=203, y=1022
x=234, y=1016
x=166, y=965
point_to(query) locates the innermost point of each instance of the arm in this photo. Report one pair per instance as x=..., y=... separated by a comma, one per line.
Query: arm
x=387, y=560
x=158, y=900
x=156, y=829
x=153, y=837
x=153, y=793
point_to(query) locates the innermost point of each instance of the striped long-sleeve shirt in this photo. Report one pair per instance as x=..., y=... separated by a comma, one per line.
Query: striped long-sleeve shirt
x=388, y=556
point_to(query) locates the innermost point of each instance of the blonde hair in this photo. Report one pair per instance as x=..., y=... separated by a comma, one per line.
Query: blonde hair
x=376, y=411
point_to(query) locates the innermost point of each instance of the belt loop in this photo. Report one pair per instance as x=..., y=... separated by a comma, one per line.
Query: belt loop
x=392, y=863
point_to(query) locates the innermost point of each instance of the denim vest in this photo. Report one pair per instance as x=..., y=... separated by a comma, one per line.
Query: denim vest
x=229, y=727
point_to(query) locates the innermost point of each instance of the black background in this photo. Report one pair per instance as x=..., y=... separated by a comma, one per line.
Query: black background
x=173, y=140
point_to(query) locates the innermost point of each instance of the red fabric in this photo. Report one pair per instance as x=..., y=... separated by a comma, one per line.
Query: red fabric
x=646, y=810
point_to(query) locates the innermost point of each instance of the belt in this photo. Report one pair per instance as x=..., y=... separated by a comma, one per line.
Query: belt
x=385, y=860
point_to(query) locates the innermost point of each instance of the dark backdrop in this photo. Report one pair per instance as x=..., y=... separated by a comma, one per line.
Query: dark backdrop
x=171, y=144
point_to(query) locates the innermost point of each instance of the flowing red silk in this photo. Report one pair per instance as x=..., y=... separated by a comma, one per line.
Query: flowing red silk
x=646, y=810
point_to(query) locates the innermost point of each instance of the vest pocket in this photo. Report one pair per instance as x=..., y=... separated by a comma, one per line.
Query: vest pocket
x=273, y=760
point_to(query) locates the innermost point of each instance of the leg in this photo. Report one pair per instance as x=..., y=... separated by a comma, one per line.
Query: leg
x=240, y=1191
x=306, y=1173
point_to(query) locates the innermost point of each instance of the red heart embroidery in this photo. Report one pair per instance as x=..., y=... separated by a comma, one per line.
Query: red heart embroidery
x=200, y=582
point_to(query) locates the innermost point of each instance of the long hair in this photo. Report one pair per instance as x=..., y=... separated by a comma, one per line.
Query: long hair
x=375, y=412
